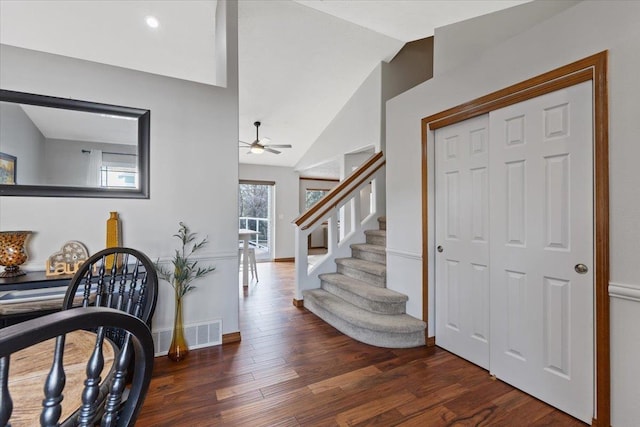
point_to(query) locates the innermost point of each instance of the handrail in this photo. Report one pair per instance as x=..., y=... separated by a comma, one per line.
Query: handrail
x=340, y=191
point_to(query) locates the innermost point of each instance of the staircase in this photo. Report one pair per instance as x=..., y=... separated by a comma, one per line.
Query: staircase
x=355, y=299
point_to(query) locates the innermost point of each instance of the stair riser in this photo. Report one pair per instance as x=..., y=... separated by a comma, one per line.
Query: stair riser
x=364, y=303
x=373, y=239
x=379, y=281
x=382, y=225
x=367, y=336
x=369, y=256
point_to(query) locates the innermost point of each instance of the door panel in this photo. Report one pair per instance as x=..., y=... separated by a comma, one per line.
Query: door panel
x=462, y=229
x=541, y=180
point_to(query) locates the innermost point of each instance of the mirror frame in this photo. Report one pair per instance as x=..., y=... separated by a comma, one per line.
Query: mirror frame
x=144, y=119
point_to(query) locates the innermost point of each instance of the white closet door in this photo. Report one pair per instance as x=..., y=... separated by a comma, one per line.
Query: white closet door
x=541, y=179
x=462, y=235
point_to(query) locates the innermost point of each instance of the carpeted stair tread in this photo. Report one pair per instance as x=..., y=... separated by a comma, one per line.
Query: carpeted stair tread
x=367, y=247
x=376, y=237
x=356, y=301
x=374, y=268
x=362, y=297
x=395, y=323
x=364, y=289
x=369, y=252
x=381, y=233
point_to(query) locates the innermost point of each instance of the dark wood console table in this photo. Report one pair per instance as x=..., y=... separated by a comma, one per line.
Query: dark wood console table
x=30, y=295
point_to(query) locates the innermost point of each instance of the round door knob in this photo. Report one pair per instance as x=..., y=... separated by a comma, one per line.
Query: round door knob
x=440, y=249
x=581, y=269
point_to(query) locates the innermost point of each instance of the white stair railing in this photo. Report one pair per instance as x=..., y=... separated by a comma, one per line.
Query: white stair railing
x=351, y=207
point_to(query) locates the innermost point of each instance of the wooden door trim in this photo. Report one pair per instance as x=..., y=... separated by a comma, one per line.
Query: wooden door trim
x=592, y=68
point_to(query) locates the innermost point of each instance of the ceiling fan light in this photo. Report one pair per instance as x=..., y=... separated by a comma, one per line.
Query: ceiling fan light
x=257, y=149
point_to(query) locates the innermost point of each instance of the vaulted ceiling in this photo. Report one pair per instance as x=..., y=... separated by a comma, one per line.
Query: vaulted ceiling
x=299, y=61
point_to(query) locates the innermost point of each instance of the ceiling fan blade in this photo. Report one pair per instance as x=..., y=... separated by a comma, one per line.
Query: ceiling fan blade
x=278, y=145
x=271, y=150
x=265, y=140
x=242, y=142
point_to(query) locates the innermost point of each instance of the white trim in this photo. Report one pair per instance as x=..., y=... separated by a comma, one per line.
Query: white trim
x=220, y=256
x=621, y=291
x=404, y=254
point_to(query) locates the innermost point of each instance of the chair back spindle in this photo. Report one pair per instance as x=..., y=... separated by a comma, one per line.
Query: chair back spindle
x=53, y=386
x=6, y=404
x=91, y=392
x=120, y=278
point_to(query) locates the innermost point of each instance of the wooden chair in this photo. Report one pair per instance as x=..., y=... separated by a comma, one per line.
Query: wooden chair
x=112, y=411
x=120, y=278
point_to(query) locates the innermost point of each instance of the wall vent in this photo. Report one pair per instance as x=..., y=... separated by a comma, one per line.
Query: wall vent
x=198, y=335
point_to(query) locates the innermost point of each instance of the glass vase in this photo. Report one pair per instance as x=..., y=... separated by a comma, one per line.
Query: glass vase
x=179, y=349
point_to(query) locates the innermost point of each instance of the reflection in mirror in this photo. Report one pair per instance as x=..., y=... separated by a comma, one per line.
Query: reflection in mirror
x=65, y=147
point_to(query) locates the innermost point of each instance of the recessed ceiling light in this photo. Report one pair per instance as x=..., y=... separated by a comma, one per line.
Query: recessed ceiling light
x=152, y=21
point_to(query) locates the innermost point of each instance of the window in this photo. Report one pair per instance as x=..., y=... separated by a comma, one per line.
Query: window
x=313, y=196
x=118, y=177
x=255, y=207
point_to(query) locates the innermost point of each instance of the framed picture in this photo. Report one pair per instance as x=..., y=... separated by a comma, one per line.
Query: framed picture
x=7, y=169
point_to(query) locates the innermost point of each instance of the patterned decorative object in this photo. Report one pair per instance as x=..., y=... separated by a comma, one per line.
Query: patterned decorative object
x=67, y=260
x=12, y=252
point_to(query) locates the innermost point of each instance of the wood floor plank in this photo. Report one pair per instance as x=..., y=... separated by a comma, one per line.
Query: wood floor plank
x=344, y=379
x=256, y=383
x=373, y=408
x=437, y=416
x=293, y=369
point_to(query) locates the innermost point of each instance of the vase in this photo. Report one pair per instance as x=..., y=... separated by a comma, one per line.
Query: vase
x=12, y=252
x=178, y=350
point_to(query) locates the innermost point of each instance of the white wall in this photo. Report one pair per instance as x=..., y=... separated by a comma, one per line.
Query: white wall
x=454, y=47
x=20, y=138
x=566, y=37
x=60, y=153
x=286, y=202
x=194, y=171
x=356, y=126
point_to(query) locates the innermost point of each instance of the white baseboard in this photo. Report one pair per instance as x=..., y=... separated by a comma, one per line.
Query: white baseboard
x=198, y=335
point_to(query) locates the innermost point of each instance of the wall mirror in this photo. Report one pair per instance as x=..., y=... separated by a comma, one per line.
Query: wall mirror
x=69, y=148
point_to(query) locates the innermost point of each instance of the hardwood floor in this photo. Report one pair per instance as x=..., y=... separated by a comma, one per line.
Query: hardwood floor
x=292, y=369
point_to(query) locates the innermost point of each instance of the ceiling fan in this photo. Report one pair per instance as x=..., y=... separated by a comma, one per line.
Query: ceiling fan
x=259, y=146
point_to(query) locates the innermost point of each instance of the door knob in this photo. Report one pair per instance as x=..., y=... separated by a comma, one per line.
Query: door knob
x=581, y=268
x=440, y=249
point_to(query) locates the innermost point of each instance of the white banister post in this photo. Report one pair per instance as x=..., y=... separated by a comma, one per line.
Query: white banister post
x=302, y=262
x=379, y=192
x=356, y=211
x=332, y=232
